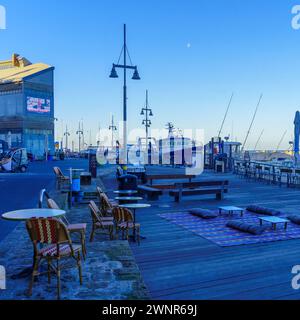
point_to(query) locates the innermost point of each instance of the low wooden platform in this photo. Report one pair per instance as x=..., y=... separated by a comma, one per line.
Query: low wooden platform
x=177, y=264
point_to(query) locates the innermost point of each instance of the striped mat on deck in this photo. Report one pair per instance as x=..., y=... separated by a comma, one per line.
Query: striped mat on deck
x=216, y=231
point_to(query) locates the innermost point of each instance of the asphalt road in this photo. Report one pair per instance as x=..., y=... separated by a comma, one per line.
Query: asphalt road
x=21, y=191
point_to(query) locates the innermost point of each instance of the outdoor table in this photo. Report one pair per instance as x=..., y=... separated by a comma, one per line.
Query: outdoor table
x=231, y=210
x=126, y=192
x=123, y=200
x=26, y=214
x=23, y=215
x=274, y=221
x=134, y=207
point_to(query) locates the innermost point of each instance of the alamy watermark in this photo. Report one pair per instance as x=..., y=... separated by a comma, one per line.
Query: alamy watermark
x=2, y=18
x=296, y=18
x=2, y=278
x=186, y=149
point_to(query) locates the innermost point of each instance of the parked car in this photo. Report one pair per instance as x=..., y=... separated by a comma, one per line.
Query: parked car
x=14, y=160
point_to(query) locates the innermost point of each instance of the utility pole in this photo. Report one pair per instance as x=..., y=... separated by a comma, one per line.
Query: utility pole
x=113, y=128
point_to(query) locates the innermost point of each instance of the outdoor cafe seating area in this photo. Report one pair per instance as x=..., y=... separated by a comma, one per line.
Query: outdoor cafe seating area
x=269, y=173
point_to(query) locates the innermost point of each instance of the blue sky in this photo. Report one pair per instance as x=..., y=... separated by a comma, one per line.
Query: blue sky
x=191, y=56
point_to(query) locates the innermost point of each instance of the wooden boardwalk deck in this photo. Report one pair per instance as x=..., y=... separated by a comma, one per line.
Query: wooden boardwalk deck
x=177, y=264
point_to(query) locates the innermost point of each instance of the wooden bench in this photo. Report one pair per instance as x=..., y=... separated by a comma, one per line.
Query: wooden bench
x=169, y=177
x=199, y=188
x=152, y=193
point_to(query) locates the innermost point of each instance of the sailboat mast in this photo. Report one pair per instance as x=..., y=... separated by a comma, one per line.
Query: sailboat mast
x=226, y=113
x=252, y=122
x=259, y=138
x=280, y=142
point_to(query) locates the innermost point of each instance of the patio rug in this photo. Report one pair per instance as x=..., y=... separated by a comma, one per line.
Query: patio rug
x=216, y=231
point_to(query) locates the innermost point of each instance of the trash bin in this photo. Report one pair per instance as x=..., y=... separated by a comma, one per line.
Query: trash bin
x=75, y=181
x=128, y=182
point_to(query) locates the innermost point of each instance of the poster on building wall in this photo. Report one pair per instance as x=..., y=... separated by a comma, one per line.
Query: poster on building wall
x=38, y=105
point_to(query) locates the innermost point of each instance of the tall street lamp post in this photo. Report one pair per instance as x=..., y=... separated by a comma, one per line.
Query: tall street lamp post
x=113, y=128
x=147, y=112
x=80, y=133
x=135, y=76
x=67, y=134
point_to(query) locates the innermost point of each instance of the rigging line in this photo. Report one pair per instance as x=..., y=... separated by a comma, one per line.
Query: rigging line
x=259, y=138
x=283, y=136
x=224, y=119
x=254, y=116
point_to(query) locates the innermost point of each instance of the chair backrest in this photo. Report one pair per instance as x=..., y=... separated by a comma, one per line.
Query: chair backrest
x=56, y=171
x=122, y=215
x=52, y=204
x=99, y=192
x=47, y=231
x=104, y=201
x=94, y=212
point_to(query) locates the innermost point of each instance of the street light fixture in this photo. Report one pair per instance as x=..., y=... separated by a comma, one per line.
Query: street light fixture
x=146, y=122
x=135, y=76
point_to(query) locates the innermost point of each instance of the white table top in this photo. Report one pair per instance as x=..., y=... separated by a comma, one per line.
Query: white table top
x=22, y=215
x=125, y=191
x=231, y=208
x=129, y=198
x=135, y=205
x=274, y=219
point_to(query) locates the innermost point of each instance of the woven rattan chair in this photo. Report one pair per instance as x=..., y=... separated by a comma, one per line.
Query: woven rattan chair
x=106, y=205
x=99, y=223
x=79, y=228
x=124, y=222
x=61, y=179
x=51, y=242
x=96, y=209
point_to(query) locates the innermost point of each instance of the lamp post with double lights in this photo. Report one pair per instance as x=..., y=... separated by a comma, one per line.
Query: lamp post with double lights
x=113, y=128
x=135, y=76
x=67, y=134
x=147, y=112
x=79, y=132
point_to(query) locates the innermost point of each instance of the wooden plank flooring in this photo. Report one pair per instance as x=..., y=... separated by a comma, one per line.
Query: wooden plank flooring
x=177, y=264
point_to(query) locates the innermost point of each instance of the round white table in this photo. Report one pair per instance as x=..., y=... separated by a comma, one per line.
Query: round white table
x=26, y=214
x=23, y=215
x=128, y=200
x=125, y=192
x=134, y=207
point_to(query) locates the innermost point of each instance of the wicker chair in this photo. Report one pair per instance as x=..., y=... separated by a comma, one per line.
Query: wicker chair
x=96, y=209
x=124, y=222
x=99, y=223
x=79, y=228
x=51, y=242
x=106, y=205
x=61, y=179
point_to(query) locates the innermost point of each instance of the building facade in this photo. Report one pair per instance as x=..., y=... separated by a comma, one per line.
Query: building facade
x=27, y=105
